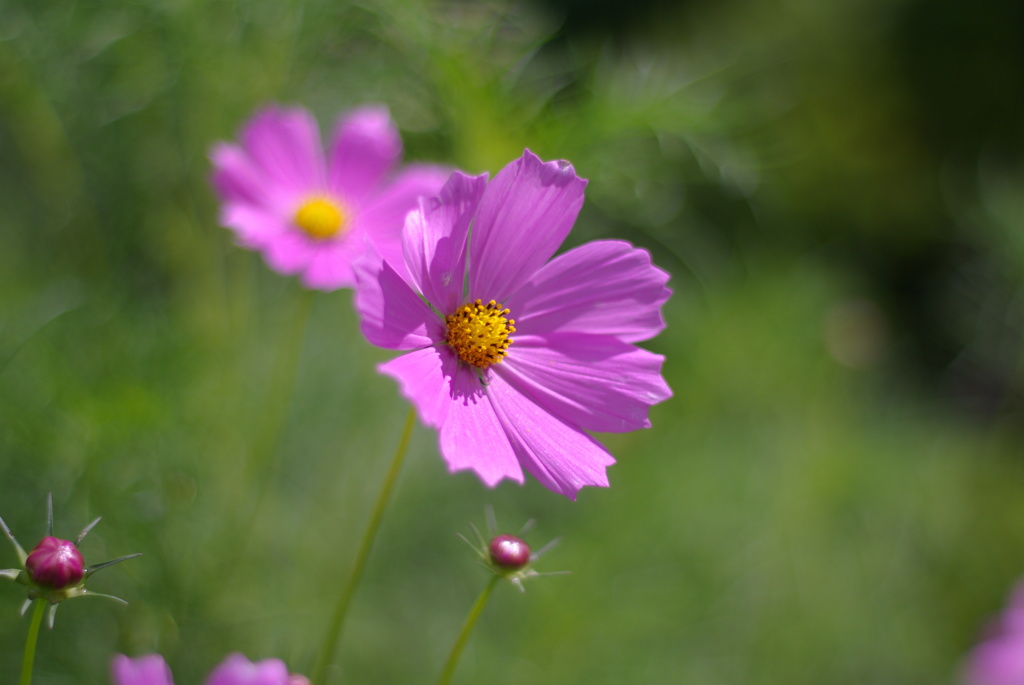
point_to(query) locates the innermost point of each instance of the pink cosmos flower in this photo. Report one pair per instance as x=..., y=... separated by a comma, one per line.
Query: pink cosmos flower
x=234, y=670
x=999, y=659
x=312, y=216
x=462, y=296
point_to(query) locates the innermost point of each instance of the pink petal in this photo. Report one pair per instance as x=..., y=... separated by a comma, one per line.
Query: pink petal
x=561, y=457
x=391, y=312
x=383, y=215
x=597, y=383
x=997, y=662
x=331, y=265
x=254, y=226
x=288, y=252
x=1012, y=620
x=524, y=215
x=434, y=240
x=237, y=670
x=472, y=437
x=448, y=396
x=143, y=670
x=365, y=146
x=235, y=177
x=1016, y=601
x=424, y=377
x=285, y=144
x=603, y=287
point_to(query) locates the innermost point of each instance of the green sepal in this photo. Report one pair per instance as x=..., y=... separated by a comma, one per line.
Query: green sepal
x=10, y=536
x=96, y=567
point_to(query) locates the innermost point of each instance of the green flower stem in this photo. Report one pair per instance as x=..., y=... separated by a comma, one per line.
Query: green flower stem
x=282, y=387
x=467, y=628
x=330, y=643
x=261, y=466
x=30, y=642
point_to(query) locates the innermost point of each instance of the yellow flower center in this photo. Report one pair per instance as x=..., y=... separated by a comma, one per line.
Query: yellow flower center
x=479, y=333
x=321, y=218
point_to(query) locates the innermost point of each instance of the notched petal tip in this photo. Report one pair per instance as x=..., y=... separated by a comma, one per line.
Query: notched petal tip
x=461, y=187
x=489, y=479
x=525, y=214
x=557, y=172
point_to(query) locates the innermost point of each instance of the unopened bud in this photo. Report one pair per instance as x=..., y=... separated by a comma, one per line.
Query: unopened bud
x=55, y=564
x=54, y=570
x=509, y=552
x=508, y=556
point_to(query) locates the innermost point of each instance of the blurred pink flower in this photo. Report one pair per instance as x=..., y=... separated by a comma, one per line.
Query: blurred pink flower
x=234, y=670
x=999, y=658
x=500, y=407
x=143, y=670
x=312, y=216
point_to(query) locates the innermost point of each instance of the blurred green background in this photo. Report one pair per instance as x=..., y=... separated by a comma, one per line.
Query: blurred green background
x=834, y=494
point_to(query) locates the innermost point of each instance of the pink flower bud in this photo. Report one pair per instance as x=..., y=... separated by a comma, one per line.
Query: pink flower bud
x=509, y=552
x=55, y=564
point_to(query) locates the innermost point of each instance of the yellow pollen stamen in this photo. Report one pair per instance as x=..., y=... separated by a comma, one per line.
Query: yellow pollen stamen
x=479, y=333
x=320, y=218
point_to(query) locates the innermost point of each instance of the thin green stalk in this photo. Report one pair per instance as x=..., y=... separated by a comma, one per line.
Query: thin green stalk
x=260, y=469
x=30, y=642
x=333, y=634
x=467, y=628
x=282, y=388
